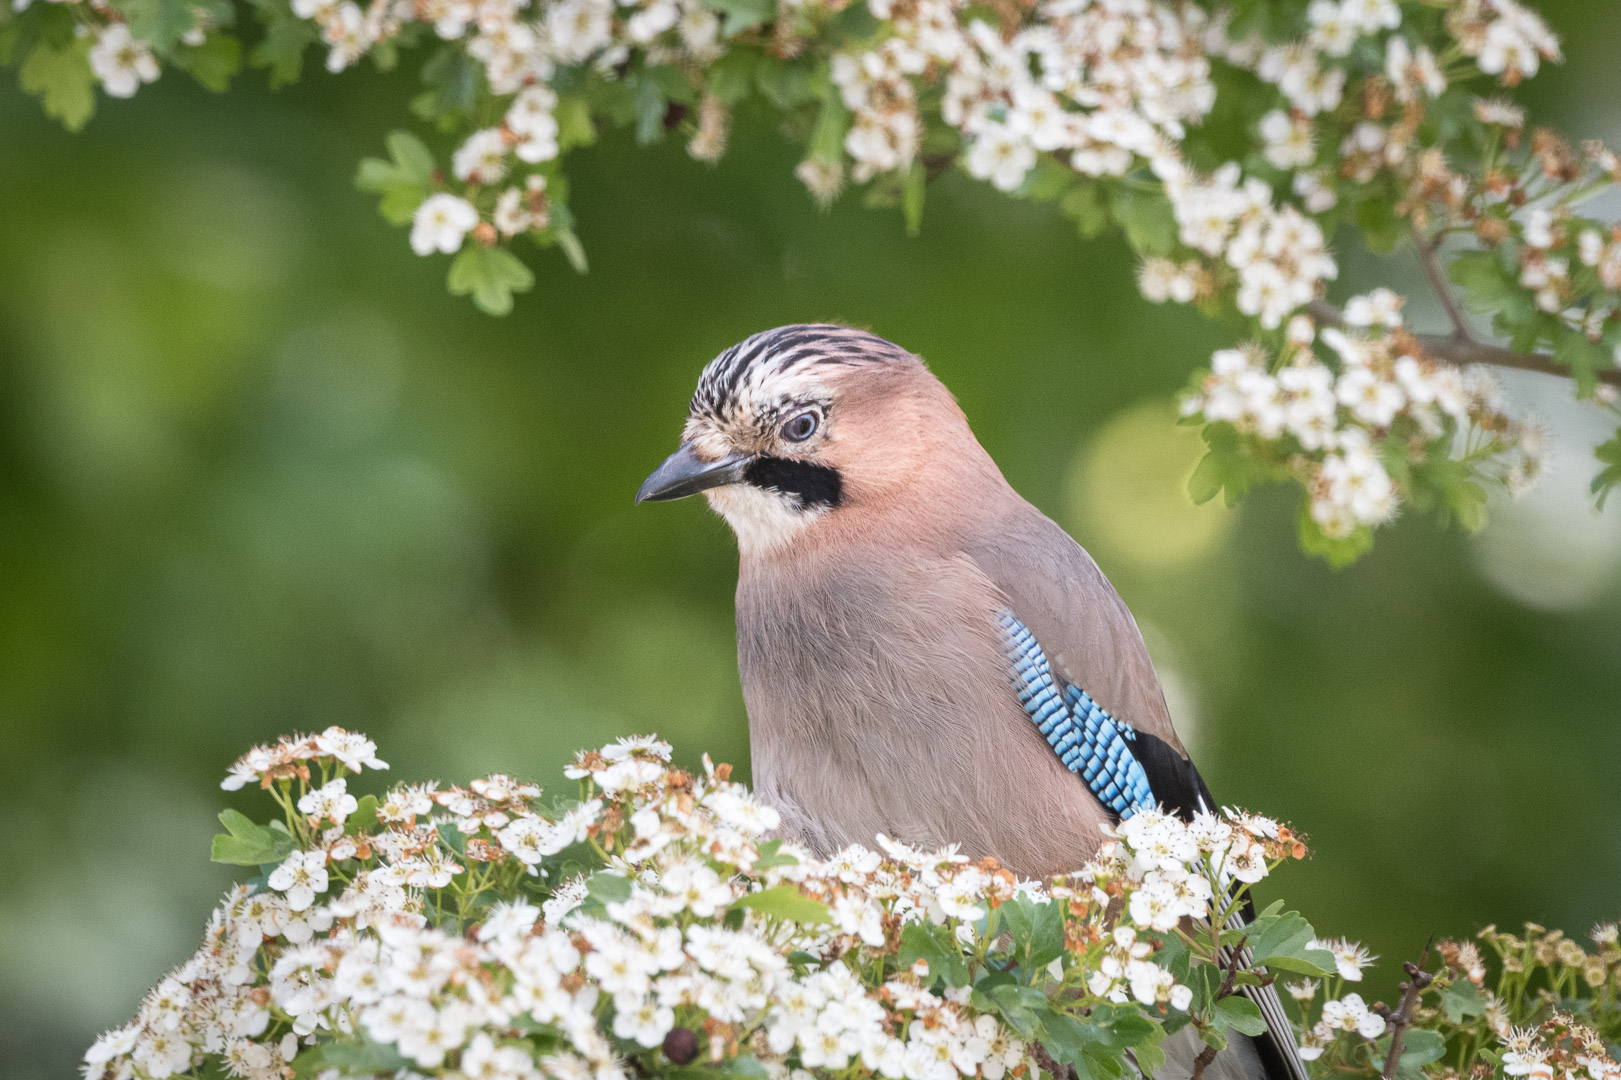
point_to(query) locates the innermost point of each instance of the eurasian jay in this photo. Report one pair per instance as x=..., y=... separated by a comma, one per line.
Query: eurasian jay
x=923, y=653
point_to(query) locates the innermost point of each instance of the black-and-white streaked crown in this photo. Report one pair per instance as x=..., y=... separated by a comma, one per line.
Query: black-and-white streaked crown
x=774, y=353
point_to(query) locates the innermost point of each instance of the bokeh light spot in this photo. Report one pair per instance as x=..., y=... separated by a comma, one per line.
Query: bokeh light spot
x=1128, y=490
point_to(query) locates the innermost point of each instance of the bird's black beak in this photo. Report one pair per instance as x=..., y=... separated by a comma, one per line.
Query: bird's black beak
x=685, y=473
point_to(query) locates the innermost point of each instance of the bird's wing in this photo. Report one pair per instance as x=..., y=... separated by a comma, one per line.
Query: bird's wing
x=1127, y=771
x=1091, y=640
x=1130, y=759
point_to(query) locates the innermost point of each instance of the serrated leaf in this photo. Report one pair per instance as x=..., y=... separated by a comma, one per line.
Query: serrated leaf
x=1339, y=552
x=1609, y=455
x=574, y=124
x=1085, y=205
x=245, y=843
x=650, y=110
x=1421, y=1047
x=1583, y=358
x=1462, y=999
x=491, y=275
x=402, y=180
x=731, y=78
x=1036, y=932
x=159, y=23
x=609, y=888
x=349, y=1059
x=213, y=63
x=742, y=15
x=917, y=180
x=786, y=85
x=1282, y=940
x=572, y=248
x=364, y=819
x=785, y=902
x=771, y=855
x=1240, y=1014
x=1147, y=218
x=61, y=78
x=938, y=947
x=1047, y=181
x=452, y=78
x=282, y=48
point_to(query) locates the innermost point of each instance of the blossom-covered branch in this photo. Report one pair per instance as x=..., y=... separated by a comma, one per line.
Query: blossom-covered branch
x=1387, y=117
x=646, y=926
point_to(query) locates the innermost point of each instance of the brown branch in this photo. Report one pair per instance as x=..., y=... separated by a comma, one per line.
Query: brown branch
x=1466, y=350
x=1432, y=270
x=1402, y=1019
x=1228, y=985
x=1045, y=1061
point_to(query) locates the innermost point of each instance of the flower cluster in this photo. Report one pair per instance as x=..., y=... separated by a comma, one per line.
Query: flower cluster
x=1332, y=424
x=649, y=924
x=1359, y=111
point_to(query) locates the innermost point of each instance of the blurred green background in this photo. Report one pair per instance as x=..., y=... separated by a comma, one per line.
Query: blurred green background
x=258, y=473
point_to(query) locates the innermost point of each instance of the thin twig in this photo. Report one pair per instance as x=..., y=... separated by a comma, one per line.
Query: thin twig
x=1426, y=249
x=1402, y=1019
x=1228, y=984
x=1466, y=351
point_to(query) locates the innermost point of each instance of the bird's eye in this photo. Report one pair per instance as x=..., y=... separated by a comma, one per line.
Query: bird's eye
x=800, y=427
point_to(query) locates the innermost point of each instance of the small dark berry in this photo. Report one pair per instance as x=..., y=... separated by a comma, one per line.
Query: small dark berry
x=681, y=1045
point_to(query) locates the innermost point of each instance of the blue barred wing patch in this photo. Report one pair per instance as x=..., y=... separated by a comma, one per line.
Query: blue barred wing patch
x=1090, y=742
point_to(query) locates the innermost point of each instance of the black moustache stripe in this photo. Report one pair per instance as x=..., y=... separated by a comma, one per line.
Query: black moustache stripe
x=813, y=485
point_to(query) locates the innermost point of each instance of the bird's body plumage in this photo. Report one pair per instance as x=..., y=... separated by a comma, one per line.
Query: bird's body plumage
x=894, y=596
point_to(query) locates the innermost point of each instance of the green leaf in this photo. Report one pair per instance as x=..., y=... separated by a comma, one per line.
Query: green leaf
x=572, y=248
x=349, y=1059
x=771, y=855
x=1225, y=468
x=742, y=15
x=1421, y=1047
x=673, y=83
x=1609, y=455
x=285, y=39
x=1338, y=551
x=244, y=843
x=574, y=124
x=61, y=77
x=1047, y=181
x=1583, y=357
x=363, y=819
x=1024, y=1008
x=451, y=837
x=917, y=181
x=1085, y=205
x=452, y=79
x=1453, y=480
x=786, y=85
x=650, y=110
x=1036, y=931
x=742, y=1067
x=609, y=888
x=1238, y=1013
x=1382, y=228
x=403, y=180
x=1146, y=216
x=213, y=63
x=731, y=78
x=785, y=902
x=1281, y=941
x=491, y=275
x=1490, y=288
x=1462, y=999
x=158, y=22
x=938, y=947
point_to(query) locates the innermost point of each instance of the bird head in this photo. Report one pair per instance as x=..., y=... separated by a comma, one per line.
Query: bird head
x=804, y=425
